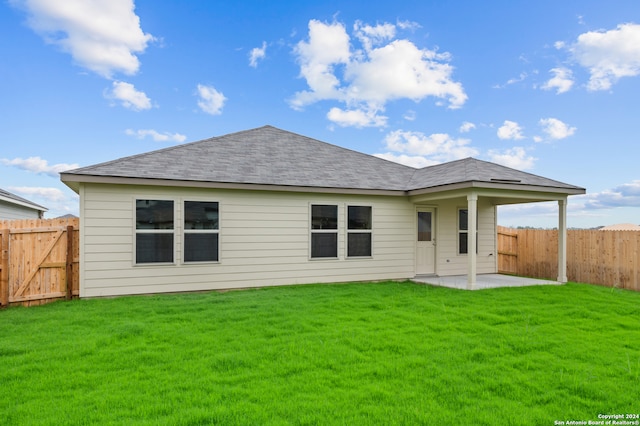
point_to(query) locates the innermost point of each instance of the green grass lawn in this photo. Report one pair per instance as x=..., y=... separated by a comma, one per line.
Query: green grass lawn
x=352, y=354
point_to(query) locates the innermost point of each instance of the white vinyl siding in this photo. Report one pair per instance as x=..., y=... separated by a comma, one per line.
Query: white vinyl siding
x=264, y=241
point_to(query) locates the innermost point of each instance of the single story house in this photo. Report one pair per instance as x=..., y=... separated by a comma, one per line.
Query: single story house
x=267, y=207
x=14, y=207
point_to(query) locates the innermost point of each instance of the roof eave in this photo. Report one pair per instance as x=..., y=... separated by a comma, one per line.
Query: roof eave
x=30, y=205
x=497, y=186
x=73, y=181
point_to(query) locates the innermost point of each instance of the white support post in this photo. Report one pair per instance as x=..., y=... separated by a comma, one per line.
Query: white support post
x=562, y=241
x=472, y=209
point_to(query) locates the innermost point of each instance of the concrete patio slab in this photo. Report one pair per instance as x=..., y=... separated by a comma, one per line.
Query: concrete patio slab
x=483, y=281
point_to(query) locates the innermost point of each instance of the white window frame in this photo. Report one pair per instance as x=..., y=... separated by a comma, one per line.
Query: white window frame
x=137, y=231
x=186, y=231
x=358, y=231
x=465, y=231
x=313, y=231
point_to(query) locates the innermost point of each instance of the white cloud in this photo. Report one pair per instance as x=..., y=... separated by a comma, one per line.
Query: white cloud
x=128, y=96
x=608, y=55
x=435, y=148
x=328, y=46
x=555, y=129
x=510, y=130
x=256, y=54
x=523, y=76
x=373, y=36
x=48, y=194
x=562, y=80
x=156, y=136
x=356, y=118
x=408, y=160
x=408, y=25
x=39, y=166
x=543, y=214
x=211, y=101
x=401, y=70
x=625, y=195
x=466, y=127
x=540, y=214
x=516, y=158
x=103, y=36
x=366, y=79
x=410, y=115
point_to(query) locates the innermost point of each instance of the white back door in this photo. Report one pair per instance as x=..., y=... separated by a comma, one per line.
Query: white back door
x=425, y=242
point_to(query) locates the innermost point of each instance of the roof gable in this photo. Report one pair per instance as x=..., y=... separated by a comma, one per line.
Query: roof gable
x=271, y=156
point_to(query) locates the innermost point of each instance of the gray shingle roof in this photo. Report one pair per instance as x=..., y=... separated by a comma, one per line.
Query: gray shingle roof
x=271, y=156
x=473, y=170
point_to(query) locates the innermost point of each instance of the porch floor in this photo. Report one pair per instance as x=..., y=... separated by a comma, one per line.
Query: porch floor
x=483, y=281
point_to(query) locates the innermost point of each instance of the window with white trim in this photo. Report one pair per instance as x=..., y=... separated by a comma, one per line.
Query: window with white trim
x=154, y=231
x=463, y=231
x=324, y=231
x=201, y=231
x=359, y=230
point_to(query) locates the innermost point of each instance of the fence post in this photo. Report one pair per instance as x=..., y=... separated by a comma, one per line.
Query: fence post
x=69, y=261
x=4, y=273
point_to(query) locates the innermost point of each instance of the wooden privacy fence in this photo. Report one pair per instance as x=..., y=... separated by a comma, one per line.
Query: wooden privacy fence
x=609, y=258
x=39, y=261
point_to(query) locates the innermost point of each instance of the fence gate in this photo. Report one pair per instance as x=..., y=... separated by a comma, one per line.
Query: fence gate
x=37, y=264
x=507, y=251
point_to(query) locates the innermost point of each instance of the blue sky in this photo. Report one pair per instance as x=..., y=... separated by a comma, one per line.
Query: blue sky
x=548, y=87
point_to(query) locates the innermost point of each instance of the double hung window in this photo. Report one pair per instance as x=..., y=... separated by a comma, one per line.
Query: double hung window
x=359, y=231
x=201, y=231
x=324, y=231
x=463, y=232
x=154, y=231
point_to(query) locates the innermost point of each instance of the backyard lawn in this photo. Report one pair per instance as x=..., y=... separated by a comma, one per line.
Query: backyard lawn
x=348, y=354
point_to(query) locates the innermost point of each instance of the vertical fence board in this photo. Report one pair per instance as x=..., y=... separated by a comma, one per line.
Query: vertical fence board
x=68, y=273
x=4, y=265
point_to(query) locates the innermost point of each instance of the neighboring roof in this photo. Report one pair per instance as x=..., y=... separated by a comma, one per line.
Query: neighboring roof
x=271, y=156
x=14, y=199
x=67, y=216
x=621, y=227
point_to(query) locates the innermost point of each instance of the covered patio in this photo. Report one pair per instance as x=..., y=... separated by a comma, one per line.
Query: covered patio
x=500, y=192
x=482, y=281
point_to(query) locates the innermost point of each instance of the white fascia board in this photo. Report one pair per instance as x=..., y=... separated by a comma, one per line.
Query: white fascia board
x=23, y=204
x=497, y=186
x=73, y=182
